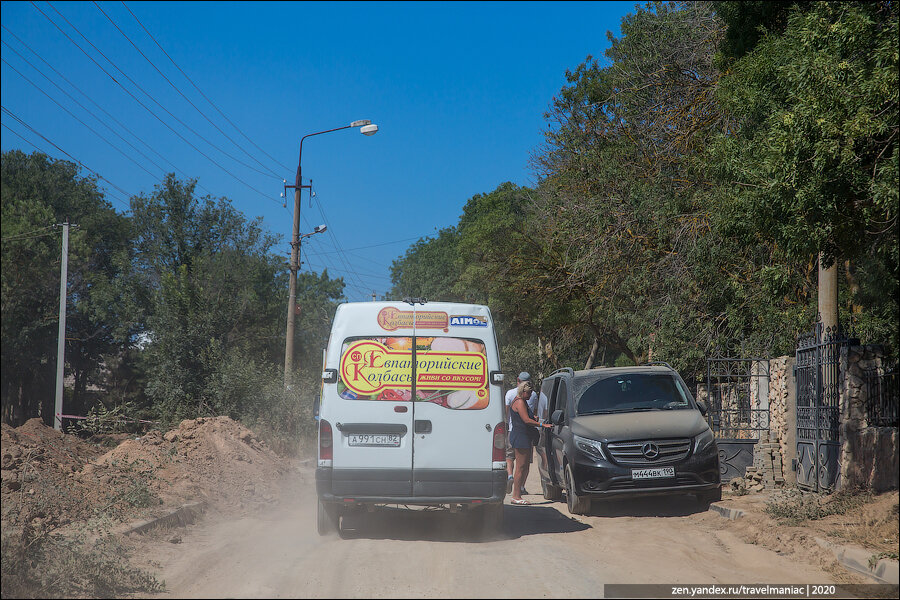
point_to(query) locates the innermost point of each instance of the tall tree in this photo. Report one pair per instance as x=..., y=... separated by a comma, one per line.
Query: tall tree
x=813, y=156
x=213, y=292
x=37, y=194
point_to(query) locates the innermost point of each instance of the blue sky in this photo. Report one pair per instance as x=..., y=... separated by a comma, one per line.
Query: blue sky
x=458, y=91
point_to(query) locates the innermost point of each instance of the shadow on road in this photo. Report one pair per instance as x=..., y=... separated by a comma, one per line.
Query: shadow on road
x=651, y=506
x=442, y=526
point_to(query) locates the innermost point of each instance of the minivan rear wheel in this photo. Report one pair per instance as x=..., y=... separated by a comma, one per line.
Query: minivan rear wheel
x=578, y=505
x=327, y=518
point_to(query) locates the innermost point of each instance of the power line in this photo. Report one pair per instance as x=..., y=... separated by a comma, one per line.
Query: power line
x=95, y=132
x=72, y=98
x=144, y=106
x=30, y=128
x=418, y=237
x=337, y=244
x=92, y=101
x=155, y=101
x=201, y=91
x=38, y=147
x=238, y=146
x=29, y=234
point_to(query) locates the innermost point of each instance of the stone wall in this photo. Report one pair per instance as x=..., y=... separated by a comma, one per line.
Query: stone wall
x=869, y=454
x=783, y=416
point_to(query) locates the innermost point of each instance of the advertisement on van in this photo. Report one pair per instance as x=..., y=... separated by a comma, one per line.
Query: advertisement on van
x=451, y=372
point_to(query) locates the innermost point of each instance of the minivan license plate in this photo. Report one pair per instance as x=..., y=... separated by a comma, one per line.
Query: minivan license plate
x=656, y=473
x=375, y=439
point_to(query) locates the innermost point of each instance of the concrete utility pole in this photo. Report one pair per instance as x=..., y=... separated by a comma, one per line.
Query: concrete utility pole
x=828, y=295
x=367, y=128
x=61, y=342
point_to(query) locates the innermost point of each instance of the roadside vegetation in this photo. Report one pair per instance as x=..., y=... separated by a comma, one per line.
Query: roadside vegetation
x=793, y=506
x=687, y=183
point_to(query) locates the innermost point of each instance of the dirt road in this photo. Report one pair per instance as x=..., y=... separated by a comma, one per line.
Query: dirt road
x=543, y=552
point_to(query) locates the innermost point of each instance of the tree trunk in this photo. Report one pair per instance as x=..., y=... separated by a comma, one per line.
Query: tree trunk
x=593, y=354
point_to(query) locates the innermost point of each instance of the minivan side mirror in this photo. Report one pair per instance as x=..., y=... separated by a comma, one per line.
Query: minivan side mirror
x=316, y=407
x=702, y=406
x=557, y=417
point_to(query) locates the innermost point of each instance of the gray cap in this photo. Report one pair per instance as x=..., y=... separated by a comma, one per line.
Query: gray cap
x=524, y=376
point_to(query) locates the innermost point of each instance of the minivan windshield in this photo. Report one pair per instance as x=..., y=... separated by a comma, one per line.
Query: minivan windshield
x=630, y=392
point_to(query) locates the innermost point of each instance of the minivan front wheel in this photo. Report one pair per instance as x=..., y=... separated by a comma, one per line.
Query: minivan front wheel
x=708, y=497
x=578, y=505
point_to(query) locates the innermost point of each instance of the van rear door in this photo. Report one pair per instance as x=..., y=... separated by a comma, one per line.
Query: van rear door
x=453, y=426
x=374, y=418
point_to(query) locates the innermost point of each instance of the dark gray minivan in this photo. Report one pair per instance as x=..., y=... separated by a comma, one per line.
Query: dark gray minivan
x=625, y=431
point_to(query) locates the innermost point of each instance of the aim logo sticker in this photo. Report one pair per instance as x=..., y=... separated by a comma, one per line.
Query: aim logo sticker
x=467, y=321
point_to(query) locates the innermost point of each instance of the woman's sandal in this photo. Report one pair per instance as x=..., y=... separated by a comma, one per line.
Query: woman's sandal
x=521, y=502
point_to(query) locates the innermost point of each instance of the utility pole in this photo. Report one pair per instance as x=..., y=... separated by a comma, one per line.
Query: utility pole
x=828, y=296
x=292, y=285
x=61, y=342
x=367, y=128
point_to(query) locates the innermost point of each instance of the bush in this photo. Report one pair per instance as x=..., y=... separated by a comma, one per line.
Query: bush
x=36, y=565
x=793, y=506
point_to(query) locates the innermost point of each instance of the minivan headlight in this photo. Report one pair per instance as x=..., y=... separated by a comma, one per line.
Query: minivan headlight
x=590, y=447
x=703, y=441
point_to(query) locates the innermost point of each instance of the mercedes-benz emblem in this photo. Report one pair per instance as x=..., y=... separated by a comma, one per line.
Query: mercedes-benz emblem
x=650, y=450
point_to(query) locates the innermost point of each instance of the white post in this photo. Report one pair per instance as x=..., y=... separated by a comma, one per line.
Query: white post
x=61, y=343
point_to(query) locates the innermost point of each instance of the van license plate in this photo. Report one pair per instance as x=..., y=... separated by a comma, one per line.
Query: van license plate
x=657, y=473
x=375, y=439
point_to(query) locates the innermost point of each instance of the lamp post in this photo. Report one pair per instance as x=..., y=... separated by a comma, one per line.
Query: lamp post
x=366, y=127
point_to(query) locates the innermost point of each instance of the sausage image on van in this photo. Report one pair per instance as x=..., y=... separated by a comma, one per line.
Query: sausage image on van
x=411, y=411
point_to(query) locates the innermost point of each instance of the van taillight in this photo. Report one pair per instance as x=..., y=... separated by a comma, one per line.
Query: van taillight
x=499, y=450
x=325, y=441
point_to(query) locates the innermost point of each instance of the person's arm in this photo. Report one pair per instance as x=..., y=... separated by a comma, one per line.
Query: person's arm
x=518, y=405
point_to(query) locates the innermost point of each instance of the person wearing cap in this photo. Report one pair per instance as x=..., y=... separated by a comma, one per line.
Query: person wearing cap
x=520, y=438
x=534, y=404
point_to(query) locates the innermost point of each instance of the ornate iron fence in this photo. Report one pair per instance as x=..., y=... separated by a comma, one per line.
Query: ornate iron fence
x=818, y=376
x=737, y=395
x=882, y=396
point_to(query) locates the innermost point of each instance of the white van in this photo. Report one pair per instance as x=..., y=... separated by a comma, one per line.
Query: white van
x=377, y=446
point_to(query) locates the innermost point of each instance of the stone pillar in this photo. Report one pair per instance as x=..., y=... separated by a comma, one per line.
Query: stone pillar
x=869, y=454
x=789, y=440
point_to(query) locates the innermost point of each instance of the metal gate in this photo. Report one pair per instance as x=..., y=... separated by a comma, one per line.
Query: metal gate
x=818, y=376
x=738, y=401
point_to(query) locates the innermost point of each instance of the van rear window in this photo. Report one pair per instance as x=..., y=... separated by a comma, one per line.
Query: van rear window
x=449, y=371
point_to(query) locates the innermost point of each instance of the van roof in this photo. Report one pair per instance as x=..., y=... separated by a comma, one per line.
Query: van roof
x=393, y=318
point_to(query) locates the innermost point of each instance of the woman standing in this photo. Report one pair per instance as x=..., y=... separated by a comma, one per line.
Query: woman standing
x=520, y=439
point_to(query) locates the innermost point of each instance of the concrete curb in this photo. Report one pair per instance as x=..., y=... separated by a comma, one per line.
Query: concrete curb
x=180, y=517
x=729, y=513
x=857, y=560
x=852, y=558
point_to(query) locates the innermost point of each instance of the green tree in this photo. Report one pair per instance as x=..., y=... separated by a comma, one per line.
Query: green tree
x=37, y=194
x=213, y=297
x=428, y=269
x=812, y=160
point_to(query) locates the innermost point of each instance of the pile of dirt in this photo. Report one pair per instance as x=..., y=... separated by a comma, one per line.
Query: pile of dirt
x=52, y=479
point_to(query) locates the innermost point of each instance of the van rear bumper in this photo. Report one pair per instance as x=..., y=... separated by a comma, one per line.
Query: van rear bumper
x=395, y=486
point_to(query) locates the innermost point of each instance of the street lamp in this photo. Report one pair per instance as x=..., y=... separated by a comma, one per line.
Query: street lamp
x=317, y=229
x=367, y=128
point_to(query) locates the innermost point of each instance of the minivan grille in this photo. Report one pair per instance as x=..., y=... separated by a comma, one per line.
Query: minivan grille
x=632, y=453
